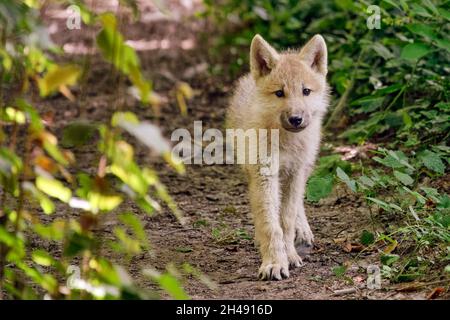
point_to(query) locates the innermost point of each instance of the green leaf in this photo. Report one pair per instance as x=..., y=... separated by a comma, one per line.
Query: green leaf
x=423, y=30
x=366, y=181
x=392, y=3
x=380, y=203
x=172, y=286
x=431, y=193
x=444, y=202
x=46, y=281
x=420, y=11
x=34, y=118
x=396, y=207
x=444, y=13
x=135, y=224
x=77, y=133
x=42, y=258
x=77, y=243
x=431, y=6
x=417, y=195
x=122, y=56
x=432, y=161
x=403, y=178
x=124, y=116
x=54, y=231
x=113, y=47
x=319, y=187
x=147, y=204
x=168, y=283
x=10, y=163
x=408, y=277
x=415, y=51
x=394, y=159
x=367, y=238
x=389, y=89
x=126, y=244
x=52, y=149
x=6, y=237
x=132, y=176
x=389, y=259
x=346, y=179
x=339, y=271
x=443, y=44
x=407, y=119
x=382, y=51
x=46, y=204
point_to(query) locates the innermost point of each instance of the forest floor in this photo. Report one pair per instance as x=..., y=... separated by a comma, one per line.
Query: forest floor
x=217, y=235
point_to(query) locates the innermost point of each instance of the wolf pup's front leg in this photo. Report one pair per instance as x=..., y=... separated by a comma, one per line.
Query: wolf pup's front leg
x=265, y=206
x=303, y=234
x=293, y=217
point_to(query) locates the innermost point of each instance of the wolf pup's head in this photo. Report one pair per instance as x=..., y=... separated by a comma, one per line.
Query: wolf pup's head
x=291, y=86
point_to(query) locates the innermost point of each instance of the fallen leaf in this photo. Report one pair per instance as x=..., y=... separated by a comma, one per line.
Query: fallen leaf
x=391, y=247
x=435, y=293
x=352, y=247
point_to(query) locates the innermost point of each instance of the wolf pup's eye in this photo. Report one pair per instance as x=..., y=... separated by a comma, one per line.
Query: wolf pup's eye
x=279, y=93
x=306, y=91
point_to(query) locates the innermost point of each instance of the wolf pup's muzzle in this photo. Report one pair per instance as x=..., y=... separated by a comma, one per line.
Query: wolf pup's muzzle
x=294, y=122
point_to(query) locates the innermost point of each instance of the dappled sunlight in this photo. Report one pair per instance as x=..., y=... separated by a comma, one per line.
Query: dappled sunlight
x=78, y=48
x=164, y=44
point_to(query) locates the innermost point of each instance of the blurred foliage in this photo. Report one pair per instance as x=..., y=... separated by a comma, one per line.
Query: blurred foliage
x=39, y=178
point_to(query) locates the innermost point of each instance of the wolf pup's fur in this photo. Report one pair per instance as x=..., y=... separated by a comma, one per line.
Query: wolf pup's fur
x=286, y=91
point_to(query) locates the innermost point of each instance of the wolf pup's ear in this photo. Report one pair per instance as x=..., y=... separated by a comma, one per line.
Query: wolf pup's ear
x=315, y=54
x=263, y=58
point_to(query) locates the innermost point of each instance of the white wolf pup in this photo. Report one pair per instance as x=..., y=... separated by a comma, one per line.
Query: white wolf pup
x=286, y=91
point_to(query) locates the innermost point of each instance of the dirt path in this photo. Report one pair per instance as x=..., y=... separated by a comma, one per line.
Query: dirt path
x=217, y=235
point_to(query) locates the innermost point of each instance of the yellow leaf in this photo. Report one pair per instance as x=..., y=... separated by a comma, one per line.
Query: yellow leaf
x=58, y=77
x=104, y=202
x=54, y=188
x=186, y=90
x=15, y=115
x=391, y=247
x=108, y=20
x=181, y=103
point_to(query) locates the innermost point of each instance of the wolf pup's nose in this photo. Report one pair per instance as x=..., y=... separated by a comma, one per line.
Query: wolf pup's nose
x=295, y=121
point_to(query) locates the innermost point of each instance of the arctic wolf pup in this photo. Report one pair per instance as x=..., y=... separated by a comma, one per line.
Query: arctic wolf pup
x=286, y=91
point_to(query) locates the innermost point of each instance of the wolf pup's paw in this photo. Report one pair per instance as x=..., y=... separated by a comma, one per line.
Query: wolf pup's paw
x=295, y=261
x=304, y=238
x=273, y=271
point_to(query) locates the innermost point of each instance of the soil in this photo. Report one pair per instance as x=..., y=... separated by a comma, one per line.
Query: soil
x=216, y=237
